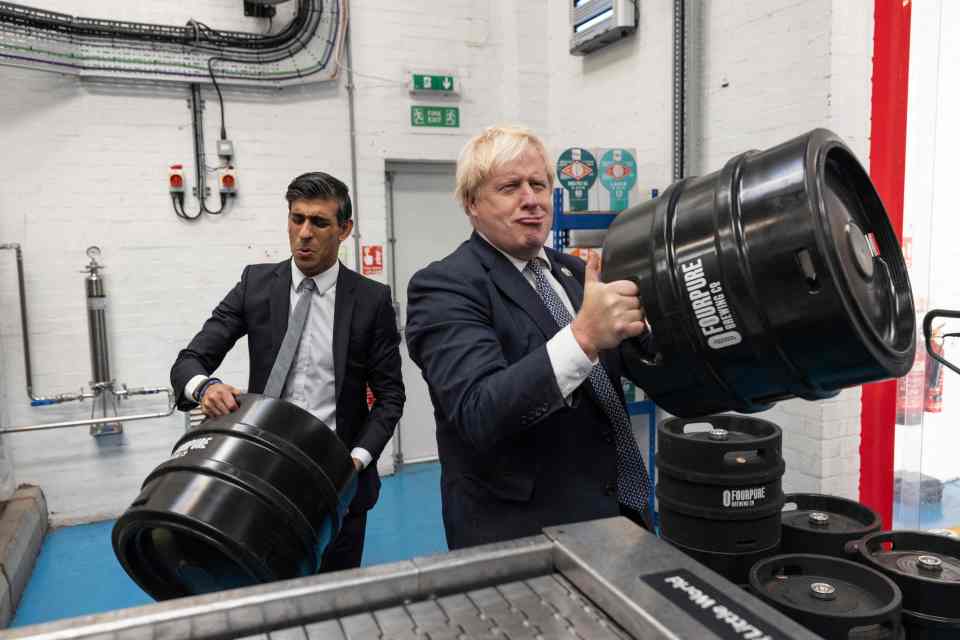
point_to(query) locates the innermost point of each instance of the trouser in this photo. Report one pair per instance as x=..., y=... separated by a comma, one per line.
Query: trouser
x=346, y=550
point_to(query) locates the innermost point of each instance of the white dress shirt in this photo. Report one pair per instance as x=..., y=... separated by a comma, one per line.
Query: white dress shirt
x=310, y=383
x=571, y=366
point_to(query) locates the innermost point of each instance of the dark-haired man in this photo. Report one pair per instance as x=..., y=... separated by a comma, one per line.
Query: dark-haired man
x=349, y=341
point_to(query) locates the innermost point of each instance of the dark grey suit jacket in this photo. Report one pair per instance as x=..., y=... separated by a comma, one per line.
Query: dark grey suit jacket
x=365, y=352
x=514, y=456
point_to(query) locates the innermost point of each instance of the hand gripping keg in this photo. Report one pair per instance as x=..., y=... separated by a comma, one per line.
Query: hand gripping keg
x=777, y=276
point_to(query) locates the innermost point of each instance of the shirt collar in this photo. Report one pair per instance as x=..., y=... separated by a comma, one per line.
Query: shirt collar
x=519, y=264
x=324, y=280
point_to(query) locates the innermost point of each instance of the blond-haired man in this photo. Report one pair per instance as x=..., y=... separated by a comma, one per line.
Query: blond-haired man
x=518, y=346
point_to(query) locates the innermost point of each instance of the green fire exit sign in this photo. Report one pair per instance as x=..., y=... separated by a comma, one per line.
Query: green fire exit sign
x=429, y=83
x=421, y=116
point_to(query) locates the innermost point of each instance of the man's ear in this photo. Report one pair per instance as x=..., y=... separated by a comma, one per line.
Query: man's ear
x=469, y=209
x=345, y=230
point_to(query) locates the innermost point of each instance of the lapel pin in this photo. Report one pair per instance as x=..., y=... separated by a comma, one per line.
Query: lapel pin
x=566, y=272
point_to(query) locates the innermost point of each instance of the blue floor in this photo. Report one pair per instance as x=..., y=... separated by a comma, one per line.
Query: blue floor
x=78, y=574
x=942, y=514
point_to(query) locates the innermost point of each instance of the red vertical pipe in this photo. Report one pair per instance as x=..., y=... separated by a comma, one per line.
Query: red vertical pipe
x=888, y=138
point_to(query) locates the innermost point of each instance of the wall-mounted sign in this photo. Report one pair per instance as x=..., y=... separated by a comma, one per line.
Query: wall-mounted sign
x=577, y=171
x=430, y=83
x=618, y=175
x=421, y=116
x=371, y=259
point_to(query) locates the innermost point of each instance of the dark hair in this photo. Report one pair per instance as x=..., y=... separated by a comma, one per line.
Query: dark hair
x=318, y=185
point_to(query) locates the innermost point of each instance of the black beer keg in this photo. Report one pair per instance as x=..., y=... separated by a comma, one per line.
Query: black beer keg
x=823, y=525
x=926, y=567
x=719, y=490
x=246, y=498
x=778, y=276
x=837, y=599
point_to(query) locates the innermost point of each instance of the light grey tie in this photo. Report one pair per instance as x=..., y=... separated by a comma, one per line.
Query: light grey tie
x=291, y=339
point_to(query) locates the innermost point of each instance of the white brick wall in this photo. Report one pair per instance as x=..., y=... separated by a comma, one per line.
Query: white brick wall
x=86, y=164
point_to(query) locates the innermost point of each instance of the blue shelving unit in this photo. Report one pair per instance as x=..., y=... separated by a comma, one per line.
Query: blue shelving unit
x=563, y=223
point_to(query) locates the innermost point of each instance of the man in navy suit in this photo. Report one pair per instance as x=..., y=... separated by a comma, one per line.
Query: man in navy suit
x=508, y=335
x=349, y=342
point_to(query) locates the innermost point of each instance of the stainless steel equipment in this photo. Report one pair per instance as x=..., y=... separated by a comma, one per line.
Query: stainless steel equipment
x=593, y=580
x=104, y=391
x=101, y=379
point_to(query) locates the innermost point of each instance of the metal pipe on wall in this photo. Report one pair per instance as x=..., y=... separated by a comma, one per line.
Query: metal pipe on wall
x=353, y=149
x=171, y=405
x=28, y=369
x=679, y=88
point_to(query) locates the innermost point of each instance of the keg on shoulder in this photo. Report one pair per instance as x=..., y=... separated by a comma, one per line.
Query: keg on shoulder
x=719, y=490
x=777, y=276
x=246, y=498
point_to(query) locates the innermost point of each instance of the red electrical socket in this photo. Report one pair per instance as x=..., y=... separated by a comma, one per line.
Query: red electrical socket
x=176, y=178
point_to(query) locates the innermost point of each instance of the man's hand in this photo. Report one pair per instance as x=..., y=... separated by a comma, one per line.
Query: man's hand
x=611, y=312
x=219, y=399
x=357, y=464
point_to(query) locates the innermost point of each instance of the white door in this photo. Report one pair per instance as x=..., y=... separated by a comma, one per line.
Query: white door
x=427, y=225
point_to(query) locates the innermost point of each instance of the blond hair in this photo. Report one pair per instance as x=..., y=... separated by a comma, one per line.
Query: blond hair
x=492, y=148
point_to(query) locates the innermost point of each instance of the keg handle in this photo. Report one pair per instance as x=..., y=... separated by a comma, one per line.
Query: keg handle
x=928, y=334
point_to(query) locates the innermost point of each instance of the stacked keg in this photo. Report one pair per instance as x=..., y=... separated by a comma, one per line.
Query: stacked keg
x=926, y=567
x=719, y=490
x=821, y=560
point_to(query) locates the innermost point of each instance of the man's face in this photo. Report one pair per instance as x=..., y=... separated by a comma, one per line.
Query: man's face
x=315, y=235
x=513, y=208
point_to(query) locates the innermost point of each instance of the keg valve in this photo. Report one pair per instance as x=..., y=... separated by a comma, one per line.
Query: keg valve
x=823, y=591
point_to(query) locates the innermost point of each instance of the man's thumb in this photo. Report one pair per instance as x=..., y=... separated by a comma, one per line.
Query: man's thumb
x=593, y=268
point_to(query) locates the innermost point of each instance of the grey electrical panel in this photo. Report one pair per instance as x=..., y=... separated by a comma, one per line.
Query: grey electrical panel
x=597, y=23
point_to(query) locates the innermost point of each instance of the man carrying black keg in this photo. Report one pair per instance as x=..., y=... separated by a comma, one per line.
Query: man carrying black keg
x=318, y=335
x=518, y=345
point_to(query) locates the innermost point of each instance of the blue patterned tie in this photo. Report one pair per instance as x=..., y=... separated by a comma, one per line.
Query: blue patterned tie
x=633, y=485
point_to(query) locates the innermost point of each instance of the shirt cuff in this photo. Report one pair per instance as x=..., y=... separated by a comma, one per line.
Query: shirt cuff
x=571, y=366
x=362, y=455
x=193, y=384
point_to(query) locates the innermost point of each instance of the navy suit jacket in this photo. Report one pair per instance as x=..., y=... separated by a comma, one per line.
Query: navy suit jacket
x=365, y=352
x=515, y=457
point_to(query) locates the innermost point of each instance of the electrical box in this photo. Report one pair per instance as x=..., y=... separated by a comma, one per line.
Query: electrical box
x=597, y=23
x=176, y=178
x=228, y=181
x=225, y=149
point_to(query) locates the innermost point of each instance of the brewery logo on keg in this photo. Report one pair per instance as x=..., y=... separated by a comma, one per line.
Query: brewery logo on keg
x=709, y=305
x=187, y=447
x=744, y=497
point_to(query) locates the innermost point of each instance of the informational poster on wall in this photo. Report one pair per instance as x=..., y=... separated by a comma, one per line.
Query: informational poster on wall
x=372, y=259
x=600, y=180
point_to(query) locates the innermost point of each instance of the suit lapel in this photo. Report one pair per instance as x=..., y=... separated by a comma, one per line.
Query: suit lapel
x=279, y=304
x=342, y=315
x=514, y=285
